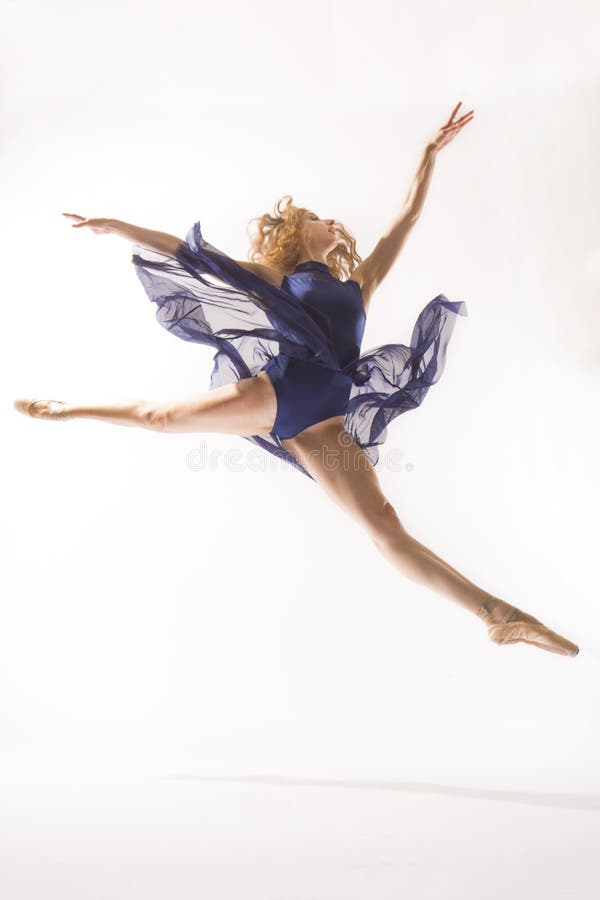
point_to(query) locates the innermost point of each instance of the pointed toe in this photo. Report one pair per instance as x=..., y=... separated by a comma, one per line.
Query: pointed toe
x=532, y=633
x=53, y=409
x=513, y=626
x=23, y=405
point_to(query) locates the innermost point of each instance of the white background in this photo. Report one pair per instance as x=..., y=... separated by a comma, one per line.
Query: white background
x=160, y=618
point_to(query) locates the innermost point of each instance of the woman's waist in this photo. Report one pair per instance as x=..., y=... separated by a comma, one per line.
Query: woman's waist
x=313, y=369
x=345, y=364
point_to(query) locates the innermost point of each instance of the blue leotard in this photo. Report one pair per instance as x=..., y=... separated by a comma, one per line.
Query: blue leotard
x=305, y=334
x=307, y=391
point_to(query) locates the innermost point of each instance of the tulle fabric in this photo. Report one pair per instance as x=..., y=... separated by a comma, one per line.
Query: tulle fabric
x=248, y=321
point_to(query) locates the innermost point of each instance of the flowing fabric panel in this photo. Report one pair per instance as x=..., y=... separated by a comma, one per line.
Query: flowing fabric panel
x=394, y=378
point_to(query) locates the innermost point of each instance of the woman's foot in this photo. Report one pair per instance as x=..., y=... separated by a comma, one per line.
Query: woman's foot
x=508, y=624
x=43, y=409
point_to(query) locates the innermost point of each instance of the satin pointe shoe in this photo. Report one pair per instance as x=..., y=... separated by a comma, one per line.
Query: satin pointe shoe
x=51, y=411
x=519, y=627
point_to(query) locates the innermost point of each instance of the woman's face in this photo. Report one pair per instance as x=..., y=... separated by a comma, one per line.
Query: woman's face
x=320, y=236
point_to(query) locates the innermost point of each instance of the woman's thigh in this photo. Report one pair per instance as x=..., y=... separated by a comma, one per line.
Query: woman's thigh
x=345, y=472
x=247, y=406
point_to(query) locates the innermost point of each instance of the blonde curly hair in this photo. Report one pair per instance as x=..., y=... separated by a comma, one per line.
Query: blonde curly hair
x=280, y=241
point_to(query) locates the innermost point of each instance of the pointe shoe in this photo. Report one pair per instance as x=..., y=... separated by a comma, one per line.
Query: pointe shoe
x=517, y=627
x=52, y=411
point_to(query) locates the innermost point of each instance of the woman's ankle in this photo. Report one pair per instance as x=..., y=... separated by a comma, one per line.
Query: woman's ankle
x=493, y=608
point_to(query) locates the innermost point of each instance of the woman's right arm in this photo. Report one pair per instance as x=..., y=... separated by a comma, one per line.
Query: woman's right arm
x=167, y=244
x=159, y=241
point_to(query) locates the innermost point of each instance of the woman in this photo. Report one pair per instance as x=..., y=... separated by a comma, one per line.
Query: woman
x=288, y=374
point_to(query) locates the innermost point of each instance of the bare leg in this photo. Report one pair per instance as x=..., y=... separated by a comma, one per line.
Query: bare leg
x=344, y=471
x=353, y=485
x=245, y=407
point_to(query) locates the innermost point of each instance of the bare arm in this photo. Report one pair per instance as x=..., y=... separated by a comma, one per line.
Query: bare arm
x=165, y=243
x=372, y=270
x=159, y=241
x=415, y=198
x=375, y=267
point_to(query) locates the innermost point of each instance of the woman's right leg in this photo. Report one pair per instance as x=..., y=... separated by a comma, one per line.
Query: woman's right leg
x=344, y=471
x=245, y=407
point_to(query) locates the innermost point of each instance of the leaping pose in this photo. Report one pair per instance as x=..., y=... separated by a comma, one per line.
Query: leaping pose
x=288, y=375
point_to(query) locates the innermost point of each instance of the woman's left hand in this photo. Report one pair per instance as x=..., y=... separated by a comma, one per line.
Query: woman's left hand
x=449, y=131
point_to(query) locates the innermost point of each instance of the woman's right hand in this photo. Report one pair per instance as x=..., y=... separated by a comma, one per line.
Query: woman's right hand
x=98, y=226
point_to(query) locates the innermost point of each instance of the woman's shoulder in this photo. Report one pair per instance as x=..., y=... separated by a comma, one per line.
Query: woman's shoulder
x=268, y=273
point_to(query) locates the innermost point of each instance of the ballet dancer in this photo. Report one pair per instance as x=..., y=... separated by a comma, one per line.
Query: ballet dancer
x=288, y=373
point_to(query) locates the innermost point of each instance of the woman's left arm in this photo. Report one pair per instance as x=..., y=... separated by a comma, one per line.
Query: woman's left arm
x=419, y=186
x=371, y=272
x=420, y=183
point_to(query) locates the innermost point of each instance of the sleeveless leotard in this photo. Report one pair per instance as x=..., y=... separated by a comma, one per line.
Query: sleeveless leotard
x=305, y=334
x=307, y=391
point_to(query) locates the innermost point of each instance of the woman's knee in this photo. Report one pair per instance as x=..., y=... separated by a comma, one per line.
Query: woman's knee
x=152, y=415
x=385, y=528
